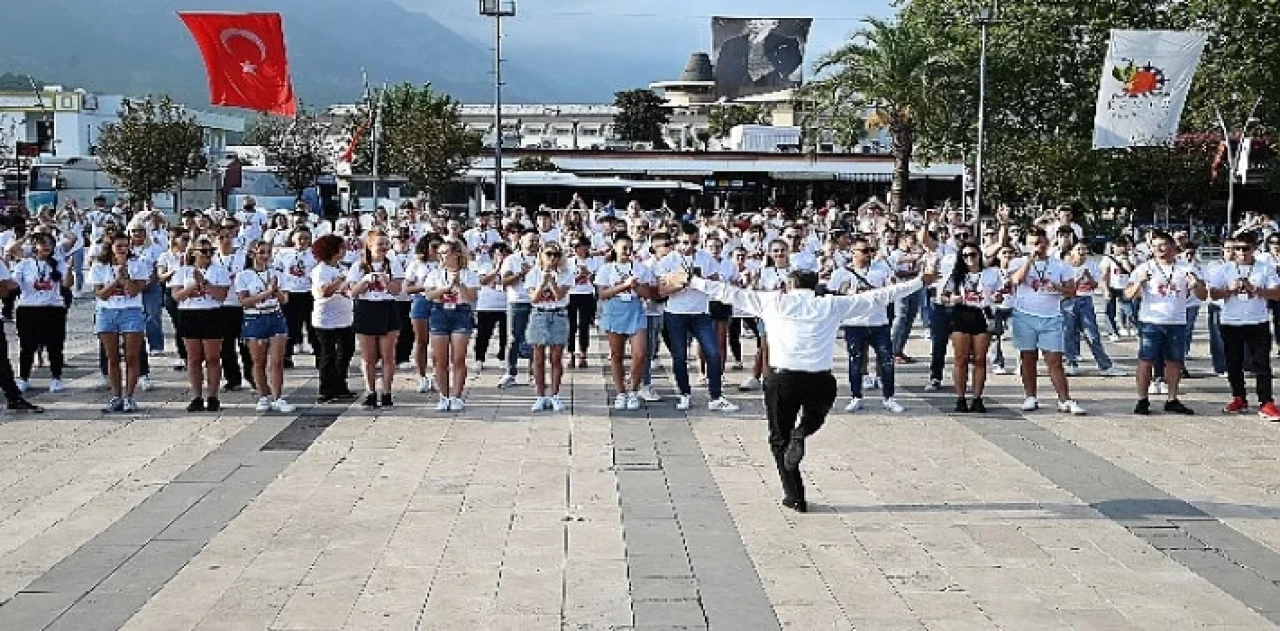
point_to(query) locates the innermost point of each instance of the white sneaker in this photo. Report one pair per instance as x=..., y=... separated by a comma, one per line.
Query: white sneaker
x=1030, y=404
x=1000, y=370
x=145, y=383
x=1164, y=387
x=282, y=406
x=477, y=368
x=1154, y=388
x=934, y=386
x=892, y=405
x=307, y=350
x=56, y=385
x=722, y=405
x=99, y=381
x=1114, y=371
x=620, y=402
x=507, y=381
x=750, y=384
x=855, y=405
x=130, y=405
x=456, y=404
x=424, y=386
x=649, y=394
x=556, y=404
x=443, y=404
x=1071, y=407
x=540, y=404
x=869, y=382
x=264, y=404
x=633, y=402
x=405, y=366
x=1072, y=371
x=684, y=403
x=22, y=385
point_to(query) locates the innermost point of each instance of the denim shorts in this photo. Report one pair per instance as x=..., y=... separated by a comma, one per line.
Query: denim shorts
x=263, y=326
x=548, y=327
x=421, y=309
x=1162, y=343
x=1036, y=333
x=622, y=317
x=127, y=320
x=457, y=321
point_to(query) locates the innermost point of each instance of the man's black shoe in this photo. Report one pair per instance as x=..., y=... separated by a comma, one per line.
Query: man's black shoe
x=1143, y=407
x=962, y=405
x=196, y=405
x=977, y=406
x=799, y=506
x=795, y=452
x=1175, y=406
x=23, y=405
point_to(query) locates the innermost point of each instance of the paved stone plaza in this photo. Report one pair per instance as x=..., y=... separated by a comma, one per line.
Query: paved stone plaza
x=499, y=518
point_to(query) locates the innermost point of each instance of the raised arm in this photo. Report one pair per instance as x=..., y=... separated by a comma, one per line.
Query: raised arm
x=747, y=300
x=853, y=303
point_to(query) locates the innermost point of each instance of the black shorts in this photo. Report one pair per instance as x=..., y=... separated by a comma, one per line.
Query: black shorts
x=201, y=324
x=721, y=312
x=968, y=320
x=376, y=317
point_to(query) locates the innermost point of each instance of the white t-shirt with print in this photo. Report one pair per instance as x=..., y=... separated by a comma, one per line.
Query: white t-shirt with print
x=215, y=275
x=252, y=281
x=611, y=274
x=1164, y=292
x=534, y=279
x=1243, y=309
x=688, y=300
x=491, y=297
x=439, y=279
x=101, y=275
x=514, y=264
x=296, y=265
x=234, y=264
x=1035, y=296
x=38, y=288
x=377, y=289
x=582, y=279
x=333, y=312
x=848, y=281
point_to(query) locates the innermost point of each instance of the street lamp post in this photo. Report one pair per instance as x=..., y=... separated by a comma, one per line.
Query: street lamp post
x=984, y=19
x=1232, y=157
x=575, y=133
x=497, y=9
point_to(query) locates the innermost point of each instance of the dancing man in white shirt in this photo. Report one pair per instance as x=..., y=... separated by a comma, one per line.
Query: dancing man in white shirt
x=1164, y=285
x=802, y=333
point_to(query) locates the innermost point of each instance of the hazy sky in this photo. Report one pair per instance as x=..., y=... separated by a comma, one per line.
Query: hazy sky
x=613, y=45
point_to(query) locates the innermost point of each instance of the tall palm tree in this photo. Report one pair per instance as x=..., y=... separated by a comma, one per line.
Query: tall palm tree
x=889, y=75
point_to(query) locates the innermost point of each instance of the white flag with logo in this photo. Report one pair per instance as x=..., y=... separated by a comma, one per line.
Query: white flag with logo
x=1145, y=81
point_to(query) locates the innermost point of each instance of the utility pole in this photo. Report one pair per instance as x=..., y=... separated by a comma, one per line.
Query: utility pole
x=497, y=9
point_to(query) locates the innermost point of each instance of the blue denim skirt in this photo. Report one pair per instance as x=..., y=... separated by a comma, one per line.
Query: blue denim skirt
x=622, y=317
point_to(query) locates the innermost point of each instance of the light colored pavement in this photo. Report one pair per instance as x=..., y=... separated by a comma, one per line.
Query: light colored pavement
x=500, y=518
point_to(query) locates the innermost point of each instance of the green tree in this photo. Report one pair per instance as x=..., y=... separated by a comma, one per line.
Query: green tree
x=152, y=147
x=641, y=117
x=535, y=163
x=889, y=75
x=298, y=146
x=422, y=137
x=726, y=117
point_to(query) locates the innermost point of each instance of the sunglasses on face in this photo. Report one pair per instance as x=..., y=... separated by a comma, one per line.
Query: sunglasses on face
x=684, y=242
x=551, y=255
x=971, y=255
x=1241, y=248
x=864, y=250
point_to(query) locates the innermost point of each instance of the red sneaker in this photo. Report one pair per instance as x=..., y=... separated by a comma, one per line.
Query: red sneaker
x=1237, y=406
x=1268, y=411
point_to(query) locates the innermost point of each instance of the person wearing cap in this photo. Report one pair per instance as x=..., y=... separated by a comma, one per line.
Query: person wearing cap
x=802, y=333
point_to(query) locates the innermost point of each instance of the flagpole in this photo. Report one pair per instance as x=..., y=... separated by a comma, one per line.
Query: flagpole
x=377, y=132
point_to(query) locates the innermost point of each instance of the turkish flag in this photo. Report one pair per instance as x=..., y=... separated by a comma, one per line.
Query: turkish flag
x=244, y=54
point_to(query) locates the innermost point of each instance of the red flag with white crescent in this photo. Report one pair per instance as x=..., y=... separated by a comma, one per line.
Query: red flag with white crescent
x=244, y=55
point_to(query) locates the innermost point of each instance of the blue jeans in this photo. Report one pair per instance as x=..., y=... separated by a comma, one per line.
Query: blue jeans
x=1080, y=318
x=517, y=324
x=1193, y=312
x=1217, y=352
x=153, y=308
x=653, y=331
x=77, y=262
x=681, y=327
x=904, y=317
x=939, y=340
x=1001, y=317
x=856, y=340
x=1126, y=310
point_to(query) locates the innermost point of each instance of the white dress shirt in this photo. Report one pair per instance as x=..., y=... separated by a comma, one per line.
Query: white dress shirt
x=802, y=327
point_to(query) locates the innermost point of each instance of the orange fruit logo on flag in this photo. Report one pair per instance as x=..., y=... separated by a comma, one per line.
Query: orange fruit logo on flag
x=1139, y=80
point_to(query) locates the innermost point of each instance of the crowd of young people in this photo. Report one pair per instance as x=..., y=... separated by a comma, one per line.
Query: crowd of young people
x=249, y=291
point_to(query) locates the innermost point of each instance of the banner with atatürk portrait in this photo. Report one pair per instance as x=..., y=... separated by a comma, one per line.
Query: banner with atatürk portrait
x=758, y=55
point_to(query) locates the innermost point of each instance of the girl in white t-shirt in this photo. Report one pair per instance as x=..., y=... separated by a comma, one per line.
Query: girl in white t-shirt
x=582, y=300
x=332, y=319
x=375, y=280
x=547, y=286
x=199, y=289
x=1080, y=317
x=425, y=261
x=41, y=310
x=452, y=288
x=623, y=285
x=117, y=279
x=969, y=292
x=260, y=288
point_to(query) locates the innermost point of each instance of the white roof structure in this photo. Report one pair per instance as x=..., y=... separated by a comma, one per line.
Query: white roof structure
x=798, y=168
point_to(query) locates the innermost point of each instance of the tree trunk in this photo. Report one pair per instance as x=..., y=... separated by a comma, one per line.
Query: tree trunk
x=903, y=139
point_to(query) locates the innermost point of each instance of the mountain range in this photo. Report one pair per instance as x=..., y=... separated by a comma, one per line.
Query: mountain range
x=137, y=47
